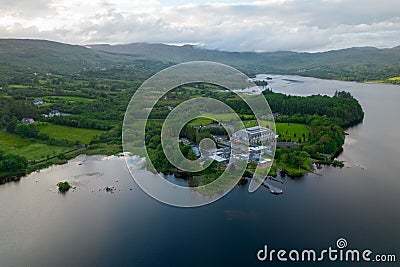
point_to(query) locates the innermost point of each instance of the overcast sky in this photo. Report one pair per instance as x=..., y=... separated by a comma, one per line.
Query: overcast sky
x=271, y=25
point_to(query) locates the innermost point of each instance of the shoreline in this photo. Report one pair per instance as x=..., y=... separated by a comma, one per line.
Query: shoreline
x=18, y=175
x=331, y=79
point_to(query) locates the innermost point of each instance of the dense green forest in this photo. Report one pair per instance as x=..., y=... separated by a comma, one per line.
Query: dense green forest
x=12, y=163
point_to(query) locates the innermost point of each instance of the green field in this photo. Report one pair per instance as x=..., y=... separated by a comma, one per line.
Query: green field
x=200, y=122
x=69, y=133
x=18, y=86
x=250, y=123
x=32, y=150
x=67, y=98
x=292, y=131
x=288, y=131
x=203, y=121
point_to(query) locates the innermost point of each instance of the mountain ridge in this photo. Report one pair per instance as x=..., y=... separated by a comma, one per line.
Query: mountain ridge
x=355, y=63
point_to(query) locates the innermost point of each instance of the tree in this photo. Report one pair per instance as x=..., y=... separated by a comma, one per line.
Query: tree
x=63, y=187
x=11, y=126
x=11, y=162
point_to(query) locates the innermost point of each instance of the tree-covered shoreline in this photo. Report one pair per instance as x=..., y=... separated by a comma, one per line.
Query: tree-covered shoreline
x=92, y=104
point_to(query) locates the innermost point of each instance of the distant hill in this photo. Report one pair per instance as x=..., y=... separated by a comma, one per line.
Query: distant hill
x=28, y=56
x=357, y=63
x=177, y=53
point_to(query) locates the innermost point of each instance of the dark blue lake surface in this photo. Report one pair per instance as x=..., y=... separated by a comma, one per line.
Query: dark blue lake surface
x=91, y=227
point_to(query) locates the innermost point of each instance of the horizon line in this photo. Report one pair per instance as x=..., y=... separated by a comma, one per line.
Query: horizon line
x=203, y=47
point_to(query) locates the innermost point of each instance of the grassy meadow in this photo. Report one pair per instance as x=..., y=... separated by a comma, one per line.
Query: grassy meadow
x=32, y=150
x=292, y=131
x=69, y=133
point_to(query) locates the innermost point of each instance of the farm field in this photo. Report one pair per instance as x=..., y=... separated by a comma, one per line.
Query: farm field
x=69, y=133
x=67, y=98
x=32, y=150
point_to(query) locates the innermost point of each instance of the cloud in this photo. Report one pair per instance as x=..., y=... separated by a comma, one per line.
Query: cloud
x=251, y=26
x=26, y=8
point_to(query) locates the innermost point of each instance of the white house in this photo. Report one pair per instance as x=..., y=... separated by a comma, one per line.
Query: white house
x=256, y=134
x=54, y=113
x=27, y=120
x=38, y=102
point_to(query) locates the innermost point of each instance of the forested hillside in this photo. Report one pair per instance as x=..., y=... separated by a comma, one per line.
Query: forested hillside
x=24, y=57
x=21, y=58
x=358, y=64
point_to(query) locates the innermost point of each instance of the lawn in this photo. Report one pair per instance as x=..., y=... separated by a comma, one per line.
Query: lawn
x=201, y=122
x=250, y=123
x=30, y=149
x=69, y=133
x=17, y=86
x=226, y=116
x=292, y=131
x=289, y=131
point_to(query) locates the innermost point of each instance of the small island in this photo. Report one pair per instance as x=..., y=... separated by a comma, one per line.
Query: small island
x=63, y=187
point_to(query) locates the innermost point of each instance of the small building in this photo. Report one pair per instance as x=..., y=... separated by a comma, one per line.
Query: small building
x=218, y=158
x=54, y=113
x=256, y=134
x=275, y=115
x=219, y=154
x=38, y=102
x=184, y=141
x=27, y=120
x=264, y=161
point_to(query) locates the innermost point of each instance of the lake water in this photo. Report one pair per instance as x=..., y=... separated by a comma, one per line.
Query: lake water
x=91, y=227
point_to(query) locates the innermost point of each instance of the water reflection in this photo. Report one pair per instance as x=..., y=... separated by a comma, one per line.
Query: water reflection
x=90, y=226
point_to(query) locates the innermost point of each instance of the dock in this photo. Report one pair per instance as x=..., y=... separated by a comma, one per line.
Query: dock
x=273, y=189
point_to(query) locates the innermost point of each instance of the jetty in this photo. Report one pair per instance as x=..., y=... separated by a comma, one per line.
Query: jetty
x=273, y=189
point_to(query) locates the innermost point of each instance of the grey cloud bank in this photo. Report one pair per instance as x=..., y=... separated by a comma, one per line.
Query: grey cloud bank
x=247, y=26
